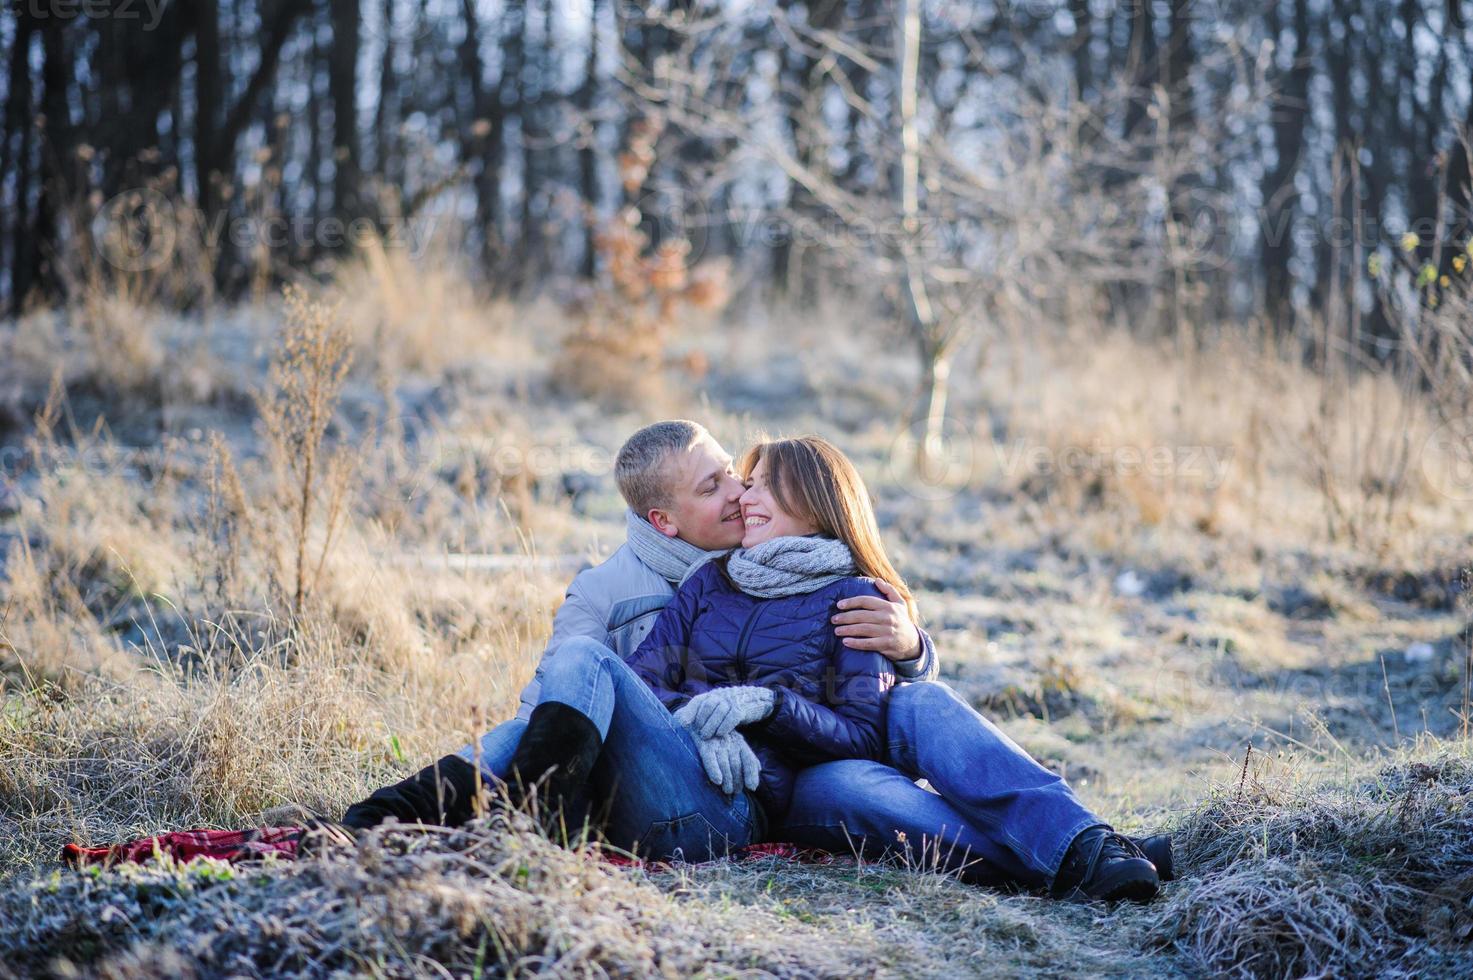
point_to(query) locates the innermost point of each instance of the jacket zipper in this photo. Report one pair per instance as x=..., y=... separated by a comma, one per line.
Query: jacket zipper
x=740, y=657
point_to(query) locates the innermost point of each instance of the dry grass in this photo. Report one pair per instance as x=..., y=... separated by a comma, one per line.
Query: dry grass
x=413, y=312
x=1364, y=874
x=1296, y=875
x=297, y=405
x=1236, y=441
x=488, y=899
x=153, y=677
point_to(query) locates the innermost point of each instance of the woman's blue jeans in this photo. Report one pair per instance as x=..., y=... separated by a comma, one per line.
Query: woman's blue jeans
x=996, y=815
x=648, y=777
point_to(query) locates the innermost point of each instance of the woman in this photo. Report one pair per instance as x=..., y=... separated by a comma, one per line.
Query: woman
x=742, y=680
x=746, y=649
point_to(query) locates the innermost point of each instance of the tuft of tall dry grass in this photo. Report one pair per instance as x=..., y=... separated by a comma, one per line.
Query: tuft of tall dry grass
x=419, y=312
x=148, y=684
x=243, y=712
x=296, y=407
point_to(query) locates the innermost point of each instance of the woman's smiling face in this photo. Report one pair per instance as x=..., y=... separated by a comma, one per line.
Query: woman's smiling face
x=762, y=516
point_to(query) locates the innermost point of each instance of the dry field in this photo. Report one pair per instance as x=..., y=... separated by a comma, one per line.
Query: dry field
x=229, y=582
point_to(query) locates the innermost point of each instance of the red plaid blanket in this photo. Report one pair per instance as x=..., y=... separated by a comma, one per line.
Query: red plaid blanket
x=185, y=845
x=253, y=845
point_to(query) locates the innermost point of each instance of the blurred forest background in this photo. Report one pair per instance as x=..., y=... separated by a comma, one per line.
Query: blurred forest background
x=1251, y=157
x=1148, y=322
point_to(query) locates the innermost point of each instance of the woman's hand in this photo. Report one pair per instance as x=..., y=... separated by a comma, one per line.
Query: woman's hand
x=729, y=762
x=881, y=625
x=721, y=710
x=712, y=718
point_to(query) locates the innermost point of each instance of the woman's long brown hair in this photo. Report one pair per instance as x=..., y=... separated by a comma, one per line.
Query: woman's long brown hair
x=811, y=478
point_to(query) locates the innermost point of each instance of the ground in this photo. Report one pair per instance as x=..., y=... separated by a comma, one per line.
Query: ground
x=1155, y=571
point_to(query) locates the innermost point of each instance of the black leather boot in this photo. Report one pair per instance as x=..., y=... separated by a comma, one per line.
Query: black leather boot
x=320, y=835
x=1157, y=849
x=554, y=759
x=443, y=793
x=1103, y=865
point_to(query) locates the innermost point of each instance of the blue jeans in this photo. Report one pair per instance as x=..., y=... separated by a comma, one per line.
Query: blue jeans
x=1014, y=815
x=648, y=777
x=496, y=748
x=878, y=811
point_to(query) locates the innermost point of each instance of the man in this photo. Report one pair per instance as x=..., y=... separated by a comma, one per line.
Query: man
x=999, y=816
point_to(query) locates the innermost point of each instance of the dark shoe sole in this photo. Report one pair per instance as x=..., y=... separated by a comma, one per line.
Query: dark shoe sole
x=1134, y=880
x=1140, y=892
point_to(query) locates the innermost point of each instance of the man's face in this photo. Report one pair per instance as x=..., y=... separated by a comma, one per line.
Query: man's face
x=704, y=491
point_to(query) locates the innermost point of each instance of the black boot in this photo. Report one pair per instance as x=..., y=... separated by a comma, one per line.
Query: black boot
x=443, y=793
x=320, y=835
x=1104, y=865
x=1157, y=849
x=554, y=759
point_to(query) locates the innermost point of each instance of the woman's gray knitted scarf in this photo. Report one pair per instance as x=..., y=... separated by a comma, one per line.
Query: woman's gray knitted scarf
x=672, y=559
x=789, y=566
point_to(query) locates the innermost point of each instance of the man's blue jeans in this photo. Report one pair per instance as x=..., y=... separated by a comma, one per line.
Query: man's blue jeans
x=659, y=801
x=997, y=808
x=495, y=749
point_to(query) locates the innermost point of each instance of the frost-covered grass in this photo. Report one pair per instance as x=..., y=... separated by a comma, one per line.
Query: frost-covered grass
x=1136, y=630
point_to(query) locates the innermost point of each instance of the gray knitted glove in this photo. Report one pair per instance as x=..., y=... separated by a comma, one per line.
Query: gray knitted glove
x=729, y=762
x=719, y=711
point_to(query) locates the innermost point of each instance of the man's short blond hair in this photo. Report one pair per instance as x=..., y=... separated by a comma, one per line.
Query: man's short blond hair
x=640, y=468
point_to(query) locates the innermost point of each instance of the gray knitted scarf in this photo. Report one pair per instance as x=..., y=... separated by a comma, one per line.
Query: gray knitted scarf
x=672, y=559
x=789, y=566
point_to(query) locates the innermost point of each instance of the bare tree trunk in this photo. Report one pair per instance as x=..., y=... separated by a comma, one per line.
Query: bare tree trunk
x=481, y=136
x=587, y=161
x=810, y=139
x=343, y=92
x=528, y=231
x=1083, y=34
x=1178, y=279
x=1280, y=199
x=1142, y=63
x=936, y=368
x=208, y=103
x=513, y=89
x=385, y=114
x=19, y=127
x=56, y=154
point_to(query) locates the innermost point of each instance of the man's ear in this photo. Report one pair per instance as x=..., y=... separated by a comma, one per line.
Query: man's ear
x=664, y=523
